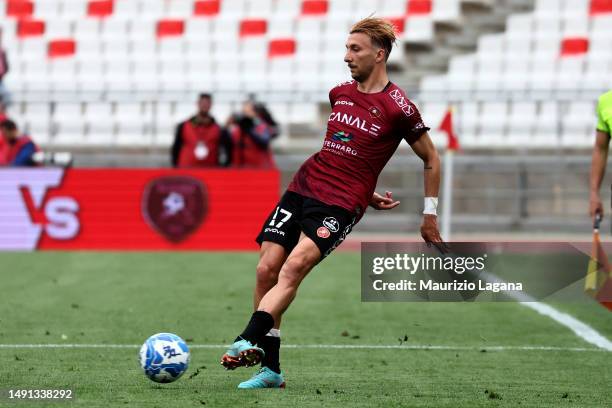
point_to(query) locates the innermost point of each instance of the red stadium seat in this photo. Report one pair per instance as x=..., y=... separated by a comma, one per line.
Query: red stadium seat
x=61, y=48
x=170, y=28
x=398, y=23
x=601, y=6
x=314, y=7
x=30, y=28
x=416, y=7
x=574, y=46
x=100, y=8
x=281, y=47
x=19, y=8
x=206, y=8
x=253, y=27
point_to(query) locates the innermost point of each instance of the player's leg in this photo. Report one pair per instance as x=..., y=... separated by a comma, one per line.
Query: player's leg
x=300, y=261
x=271, y=259
x=279, y=235
x=303, y=257
x=272, y=256
x=324, y=227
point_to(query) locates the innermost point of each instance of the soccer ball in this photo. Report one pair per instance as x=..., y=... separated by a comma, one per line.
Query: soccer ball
x=164, y=357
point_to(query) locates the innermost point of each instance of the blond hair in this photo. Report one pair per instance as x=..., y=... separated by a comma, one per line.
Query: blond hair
x=380, y=31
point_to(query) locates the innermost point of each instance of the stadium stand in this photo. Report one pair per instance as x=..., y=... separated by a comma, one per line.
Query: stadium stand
x=562, y=51
x=119, y=72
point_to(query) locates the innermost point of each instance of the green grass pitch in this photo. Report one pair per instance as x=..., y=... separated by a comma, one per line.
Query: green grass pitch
x=122, y=298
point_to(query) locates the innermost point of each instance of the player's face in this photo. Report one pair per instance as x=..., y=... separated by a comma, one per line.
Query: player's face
x=360, y=56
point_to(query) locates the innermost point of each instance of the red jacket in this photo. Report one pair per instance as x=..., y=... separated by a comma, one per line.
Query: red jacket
x=246, y=152
x=10, y=151
x=196, y=144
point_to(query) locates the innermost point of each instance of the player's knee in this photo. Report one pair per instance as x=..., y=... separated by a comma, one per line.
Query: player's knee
x=294, y=270
x=267, y=275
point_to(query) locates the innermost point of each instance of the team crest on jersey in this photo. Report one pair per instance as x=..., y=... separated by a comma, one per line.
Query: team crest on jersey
x=402, y=102
x=323, y=232
x=374, y=112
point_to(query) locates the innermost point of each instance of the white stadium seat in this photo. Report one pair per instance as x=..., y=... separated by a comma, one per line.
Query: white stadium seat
x=123, y=61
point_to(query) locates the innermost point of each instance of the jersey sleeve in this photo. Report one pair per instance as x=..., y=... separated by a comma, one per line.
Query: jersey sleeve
x=411, y=125
x=332, y=96
x=603, y=122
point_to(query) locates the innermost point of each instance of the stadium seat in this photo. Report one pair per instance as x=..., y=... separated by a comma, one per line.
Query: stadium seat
x=100, y=8
x=30, y=28
x=206, y=8
x=61, y=48
x=69, y=124
x=19, y=9
x=446, y=11
x=418, y=7
x=281, y=47
x=179, y=9
x=74, y=10
x=170, y=28
x=419, y=29
x=133, y=124
x=314, y=7
x=600, y=7
x=124, y=50
x=253, y=27
x=574, y=46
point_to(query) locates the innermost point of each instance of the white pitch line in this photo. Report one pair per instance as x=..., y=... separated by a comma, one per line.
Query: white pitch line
x=318, y=346
x=580, y=329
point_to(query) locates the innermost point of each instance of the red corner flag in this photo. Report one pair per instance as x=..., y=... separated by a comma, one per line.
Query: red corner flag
x=447, y=127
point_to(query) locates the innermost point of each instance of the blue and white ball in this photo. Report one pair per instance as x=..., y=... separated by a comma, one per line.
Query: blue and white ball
x=164, y=357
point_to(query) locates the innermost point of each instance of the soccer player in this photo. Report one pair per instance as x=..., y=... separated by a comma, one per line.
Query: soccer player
x=600, y=151
x=331, y=191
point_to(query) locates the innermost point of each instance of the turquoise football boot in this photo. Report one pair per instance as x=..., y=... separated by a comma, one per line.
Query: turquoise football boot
x=242, y=354
x=264, y=378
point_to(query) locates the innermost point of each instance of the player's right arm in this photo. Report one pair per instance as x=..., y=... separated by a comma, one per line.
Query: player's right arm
x=425, y=149
x=600, y=155
x=598, y=168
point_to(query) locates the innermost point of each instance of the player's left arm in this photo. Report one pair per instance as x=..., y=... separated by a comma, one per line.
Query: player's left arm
x=425, y=149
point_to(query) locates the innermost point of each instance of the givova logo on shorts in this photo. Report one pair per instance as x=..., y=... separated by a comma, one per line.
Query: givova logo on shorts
x=332, y=224
x=276, y=225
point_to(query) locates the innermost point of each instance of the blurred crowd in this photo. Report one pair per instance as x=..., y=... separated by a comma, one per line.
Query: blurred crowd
x=242, y=141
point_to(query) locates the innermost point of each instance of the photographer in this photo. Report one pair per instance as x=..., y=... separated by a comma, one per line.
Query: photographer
x=16, y=150
x=249, y=135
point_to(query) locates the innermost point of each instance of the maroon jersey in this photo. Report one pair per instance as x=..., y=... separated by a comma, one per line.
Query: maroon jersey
x=363, y=132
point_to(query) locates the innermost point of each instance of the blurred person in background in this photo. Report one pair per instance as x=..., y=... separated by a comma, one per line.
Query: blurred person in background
x=4, y=69
x=17, y=150
x=600, y=151
x=250, y=134
x=197, y=142
x=3, y=115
